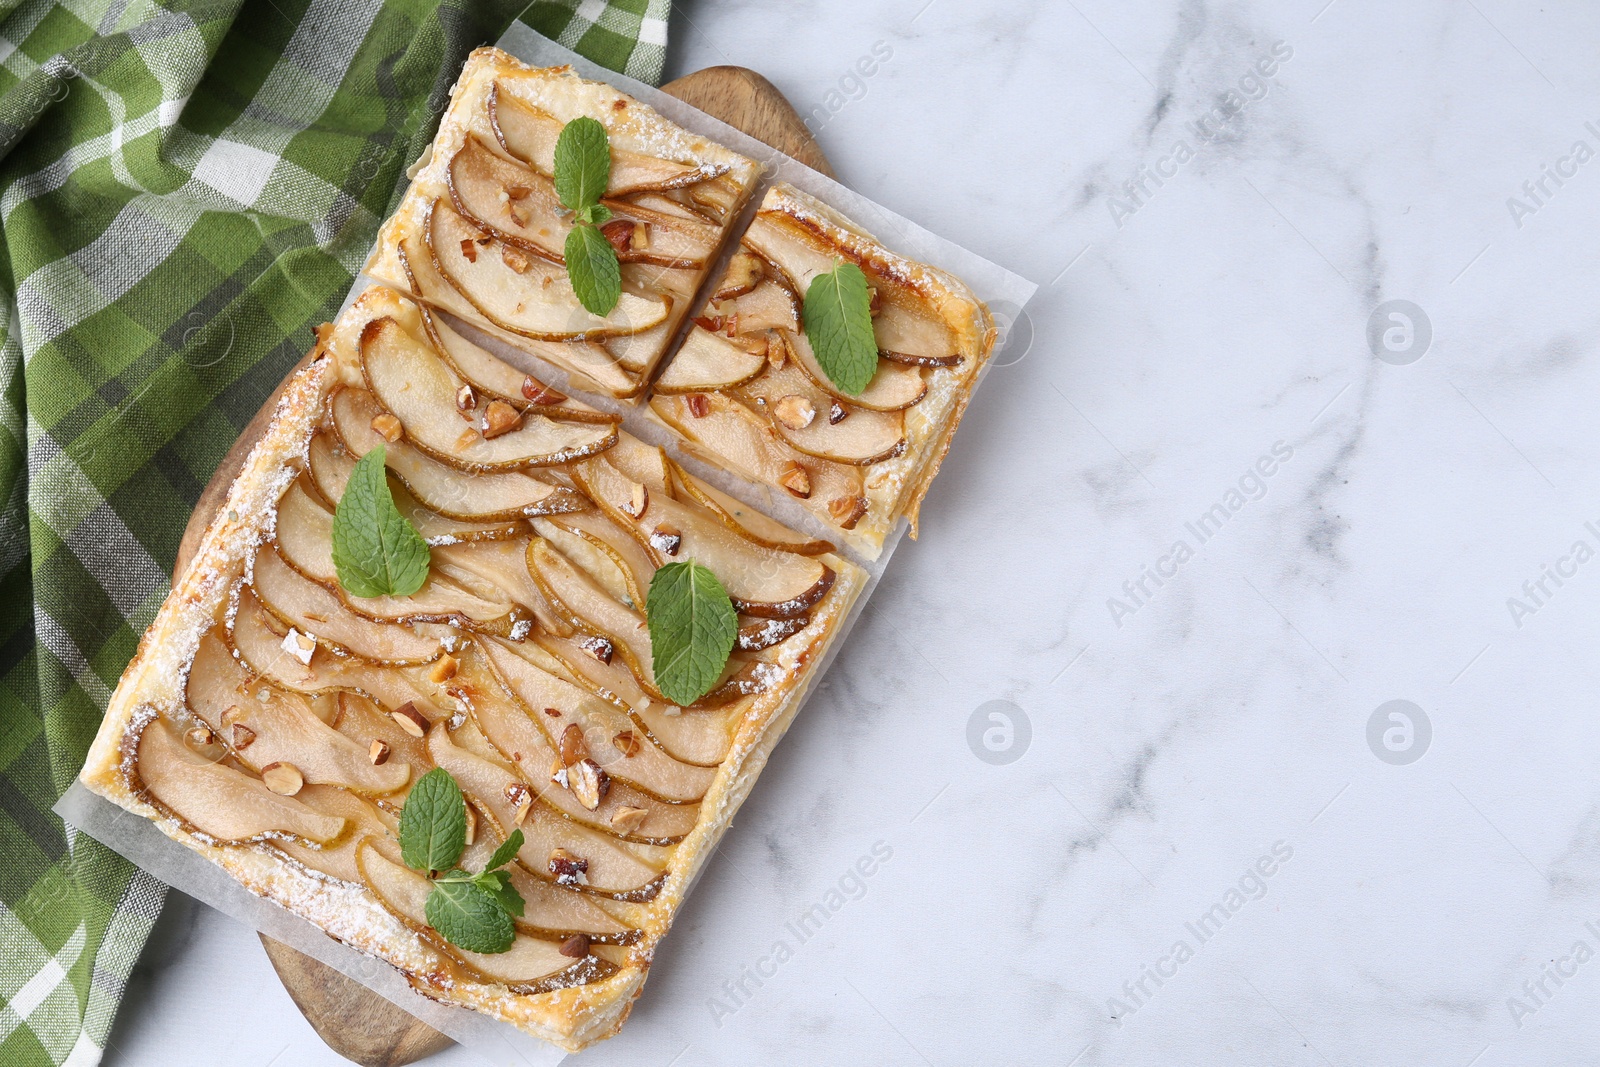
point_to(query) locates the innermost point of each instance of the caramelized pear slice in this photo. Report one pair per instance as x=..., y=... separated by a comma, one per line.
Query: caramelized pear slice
x=907, y=334
x=415, y=385
x=549, y=909
x=224, y=804
x=319, y=612
x=768, y=306
x=745, y=520
x=762, y=581
x=539, y=693
x=503, y=564
x=486, y=497
x=894, y=386
x=530, y=134
x=305, y=540
x=613, y=866
x=330, y=466
x=861, y=439
x=708, y=362
x=585, y=358
x=364, y=821
x=589, y=608
x=258, y=638
x=523, y=293
x=280, y=725
x=529, y=961
x=364, y=721
x=612, y=549
x=518, y=737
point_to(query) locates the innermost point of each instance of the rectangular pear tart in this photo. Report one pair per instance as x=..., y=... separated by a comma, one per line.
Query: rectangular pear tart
x=275, y=722
x=482, y=230
x=748, y=391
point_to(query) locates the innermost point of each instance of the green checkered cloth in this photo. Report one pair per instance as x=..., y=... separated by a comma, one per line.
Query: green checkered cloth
x=186, y=191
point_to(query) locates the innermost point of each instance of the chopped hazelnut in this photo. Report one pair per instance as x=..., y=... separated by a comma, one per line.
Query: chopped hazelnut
x=576, y=946
x=627, y=742
x=569, y=868
x=539, y=393
x=588, y=783
x=498, y=418
x=514, y=259
x=444, y=668
x=572, y=747
x=200, y=735
x=599, y=648
x=521, y=796
x=638, y=500
x=778, y=348
x=837, y=413
x=378, y=752
x=242, y=736
x=466, y=399
x=284, y=779
x=696, y=403
x=796, y=480
x=469, y=250
x=386, y=426
x=639, y=239
x=795, y=412
x=619, y=232
x=666, y=539
x=410, y=719
x=628, y=819
x=847, y=510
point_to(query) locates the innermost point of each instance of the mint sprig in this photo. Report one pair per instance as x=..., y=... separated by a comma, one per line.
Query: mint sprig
x=837, y=313
x=471, y=911
x=582, y=171
x=376, y=551
x=692, y=630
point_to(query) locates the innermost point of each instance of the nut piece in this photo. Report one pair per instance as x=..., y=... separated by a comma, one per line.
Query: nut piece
x=522, y=797
x=638, y=500
x=378, y=752
x=498, y=418
x=837, y=413
x=744, y=273
x=666, y=539
x=576, y=946
x=515, y=259
x=444, y=668
x=696, y=403
x=469, y=250
x=599, y=648
x=466, y=399
x=299, y=645
x=796, y=480
x=572, y=747
x=410, y=719
x=283, y=779
x=386, y=426
x=627, y=819
x=200, y=736
x=795, y=412
x=472, y=825
x=847, y=510
x=639, y=240
x=242, y=736
x=558, y=772
x=627, y=743
x=588, y=783
x=569, y=868
x=620, y=233
x=539, y=393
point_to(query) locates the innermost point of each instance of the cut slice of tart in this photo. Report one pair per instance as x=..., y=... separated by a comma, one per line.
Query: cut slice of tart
x=481, y=232
x=747, y=391
x=277, y=722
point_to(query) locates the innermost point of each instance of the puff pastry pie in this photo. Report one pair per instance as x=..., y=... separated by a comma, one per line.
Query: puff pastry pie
x=746, y=391
x=273, y=722
x=480, y=232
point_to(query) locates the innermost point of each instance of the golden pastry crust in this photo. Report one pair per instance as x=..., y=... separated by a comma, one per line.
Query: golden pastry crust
x=892, y=486
x=155, y=682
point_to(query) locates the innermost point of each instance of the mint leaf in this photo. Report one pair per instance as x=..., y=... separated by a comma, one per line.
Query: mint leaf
x=469, y=916
x=838, y=321
x=692, y=630
x=498, y=885
x=433, y=824
x=376, y=552
x=583, y=163
x=506, y=852
x=592, y=265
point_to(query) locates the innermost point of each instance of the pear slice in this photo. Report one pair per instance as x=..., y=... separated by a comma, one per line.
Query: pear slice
x=318, y=612
x=505, y=495
x=524, y=294
x=363, y=821
x=550, y=910
x=304, y=534
x=530, y=963
x=745, y=272
x=616, y=547
x=504, y=565
x=708, y=362
x=697, y=734
x=745, y=520
x=364, y=721
x=754, y=636
x=539, y=693
x=330, y=464
x=728, y=433
x=224, y=804
x=762, y=581
x=583, y=357
x=894, y=386
x=518, y=737
x=768, y=306
x=417, y=386
x=613, y=865
x=530, y=134
x=589, y=608
x=280, y=726
x=906, y=334
x=493, y=377
x=644, y=463
x=861, y=439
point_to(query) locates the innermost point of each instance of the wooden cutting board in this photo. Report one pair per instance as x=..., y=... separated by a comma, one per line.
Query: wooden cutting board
x=355, y=1022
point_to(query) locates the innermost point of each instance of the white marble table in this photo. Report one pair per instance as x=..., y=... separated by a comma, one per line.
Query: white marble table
x=1202, y=855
